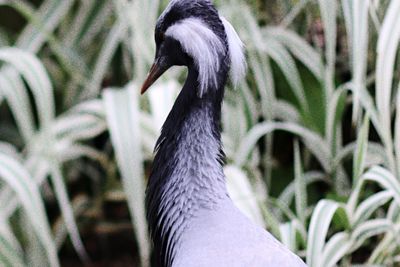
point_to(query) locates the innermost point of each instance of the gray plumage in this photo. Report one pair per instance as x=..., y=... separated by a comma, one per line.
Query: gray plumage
x=192, y=220
x=223, y=236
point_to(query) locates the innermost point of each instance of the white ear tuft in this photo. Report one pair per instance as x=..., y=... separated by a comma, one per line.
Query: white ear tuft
x=203, y=45
x=236, y=52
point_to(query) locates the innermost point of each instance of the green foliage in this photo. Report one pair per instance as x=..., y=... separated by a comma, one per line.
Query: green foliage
x=322, y=74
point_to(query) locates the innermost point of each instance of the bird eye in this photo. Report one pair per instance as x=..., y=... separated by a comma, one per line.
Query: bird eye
x=160, y=37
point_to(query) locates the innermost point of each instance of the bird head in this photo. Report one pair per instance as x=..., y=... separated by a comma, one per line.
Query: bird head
x=191, y=33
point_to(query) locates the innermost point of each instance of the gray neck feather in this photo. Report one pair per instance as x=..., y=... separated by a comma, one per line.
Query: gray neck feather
x=187, y=173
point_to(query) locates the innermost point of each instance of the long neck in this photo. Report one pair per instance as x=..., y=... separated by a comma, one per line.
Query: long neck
x=187, y=173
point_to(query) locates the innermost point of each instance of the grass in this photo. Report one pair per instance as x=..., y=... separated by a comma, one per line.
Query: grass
x=323, y=76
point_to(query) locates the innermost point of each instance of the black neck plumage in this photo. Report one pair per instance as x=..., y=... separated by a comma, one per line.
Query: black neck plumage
x=187, y=170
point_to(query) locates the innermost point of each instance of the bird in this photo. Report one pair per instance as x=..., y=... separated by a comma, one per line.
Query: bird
x=192, y=220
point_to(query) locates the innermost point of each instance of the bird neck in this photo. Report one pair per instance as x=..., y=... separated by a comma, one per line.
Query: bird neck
x=187, y=174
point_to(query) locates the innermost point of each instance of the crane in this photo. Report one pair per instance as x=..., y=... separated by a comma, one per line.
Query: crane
x=192, y=220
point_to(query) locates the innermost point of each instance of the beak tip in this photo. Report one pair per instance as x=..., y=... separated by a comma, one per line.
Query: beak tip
x=153, y=75
x=144, y=88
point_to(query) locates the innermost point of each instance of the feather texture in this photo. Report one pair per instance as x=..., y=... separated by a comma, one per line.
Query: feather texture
x=203, y=45
x=193, y=222
x=236, y=53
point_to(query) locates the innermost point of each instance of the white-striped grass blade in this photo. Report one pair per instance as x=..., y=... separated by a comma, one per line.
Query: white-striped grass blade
x=356, y=18
x=104, y=59
x=88, y=20
x=6, y=232
x=288, y=194
x=133, y=14
x=397, y=132
x=368, y=104
x=303, y=51
x=369, y=229
x=285, y=111
x=334, y=106
x=300, y=185
x=122, y=109
x=235, y=125
x=18, y=178
x=328, y=10
x=34, y=252
x=318, y=229
x=264, y=82
x=15, y=93
x=79, y=126
x=244, y=22
x=360, y=153
x=286, y=63
x=335, y=248
x=386, y=246
x=79, y=205
x=242, y=194
x=393, y=213
x=8, y=256
x=385, y=179
x=288, y=235
x=388, y=42
x=10, y=249
x=36, y=76
x=67, y=211
x=367, y=207
x=311, y=139
x=49, y=15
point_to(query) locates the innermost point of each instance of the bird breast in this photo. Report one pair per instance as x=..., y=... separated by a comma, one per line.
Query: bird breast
x=224, y=237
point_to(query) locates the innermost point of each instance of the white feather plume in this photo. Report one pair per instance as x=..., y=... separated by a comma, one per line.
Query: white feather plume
x=236, y=52
x=203, y=45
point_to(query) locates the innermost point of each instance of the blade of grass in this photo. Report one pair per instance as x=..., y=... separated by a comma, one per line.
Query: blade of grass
x=361, y=150
x=318, y=229
x=388, y=42
x=334, y=250
x=300, y=185
x=79, y=205
x=122, y=111
x=312, y=140
x=304, y=52
x=288, y=193
x=17, y=98
x=18, y=178
x=328, y=13
x=242, y=194
x=385, y=179
x=67, y=211
x=356, y=17
x=288, y=235
x=8, y=255
x=397, y=132
x=49, y=15
x=36, y=76
x=369, y=229
x=104, y=59
x=288, y=66
x=366, y=208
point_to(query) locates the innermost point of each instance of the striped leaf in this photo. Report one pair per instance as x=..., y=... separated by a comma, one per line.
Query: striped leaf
x=317, y=231
x=18, y=178
x=122, y=112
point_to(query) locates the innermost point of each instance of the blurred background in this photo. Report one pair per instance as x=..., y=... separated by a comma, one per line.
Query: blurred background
x=312, y=136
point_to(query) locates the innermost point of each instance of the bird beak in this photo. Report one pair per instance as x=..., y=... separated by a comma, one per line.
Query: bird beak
x=155, y=72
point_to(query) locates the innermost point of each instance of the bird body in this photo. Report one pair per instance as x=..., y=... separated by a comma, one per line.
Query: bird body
x=224, y=237
x=193, y=222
